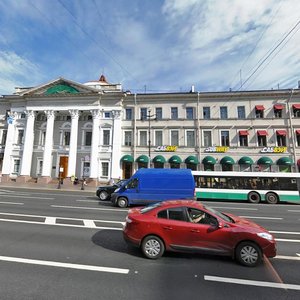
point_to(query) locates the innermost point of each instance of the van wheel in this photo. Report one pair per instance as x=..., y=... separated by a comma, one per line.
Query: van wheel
x=153, y=247
x=253, y=197
x=248, y=254
x=272, y=198
x=122, y=202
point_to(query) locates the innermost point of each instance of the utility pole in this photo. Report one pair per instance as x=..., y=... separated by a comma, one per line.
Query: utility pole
x=149, y=118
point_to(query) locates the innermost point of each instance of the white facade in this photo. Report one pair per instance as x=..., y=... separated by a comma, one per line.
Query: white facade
x=96, y=131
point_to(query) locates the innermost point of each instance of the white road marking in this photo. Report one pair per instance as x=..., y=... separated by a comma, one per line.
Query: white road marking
x=89, y=223
x=287, y=240
x=62, y=225
x=253, y=282
x=298, y=254
x=285, y=232
x=29, y=197
x=90, y=208
x=263, y=218
x=63, y=265
x=287, y=257
x=50, y=220
x=92, y=201
x=13, y=203
x=240, y=208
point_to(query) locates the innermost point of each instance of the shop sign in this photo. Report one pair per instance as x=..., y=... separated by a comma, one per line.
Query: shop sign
x=166, y=148
x=274, y=150
x=217, y=149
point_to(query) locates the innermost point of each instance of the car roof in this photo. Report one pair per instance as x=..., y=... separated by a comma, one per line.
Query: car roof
x=177, y=203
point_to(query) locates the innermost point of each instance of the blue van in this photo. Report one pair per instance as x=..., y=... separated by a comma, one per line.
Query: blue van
x=153, y=185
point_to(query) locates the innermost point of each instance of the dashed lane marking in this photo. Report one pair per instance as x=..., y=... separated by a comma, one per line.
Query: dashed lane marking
x=64, y=265
x=263, y=218
x=29, y=197
x=287, y=257
x=89, y=208
x=59, y=221
x=12, y=203
x=253, y=282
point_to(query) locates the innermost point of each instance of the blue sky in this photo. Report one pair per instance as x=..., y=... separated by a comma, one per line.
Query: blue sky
x=157, y=45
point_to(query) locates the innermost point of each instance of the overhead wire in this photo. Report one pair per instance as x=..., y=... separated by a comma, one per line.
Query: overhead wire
x=106, y=52
x=270, y=53
x=255, y=46
x=275, y=54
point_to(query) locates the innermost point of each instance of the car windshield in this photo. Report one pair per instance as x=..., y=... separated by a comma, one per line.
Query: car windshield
x=220, y=215
x=150, y=207
x=121, y=182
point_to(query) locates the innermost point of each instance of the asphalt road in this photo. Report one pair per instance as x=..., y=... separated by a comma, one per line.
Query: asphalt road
x=63, y=245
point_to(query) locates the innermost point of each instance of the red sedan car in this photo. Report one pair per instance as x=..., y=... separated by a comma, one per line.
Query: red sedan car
x=189, y=226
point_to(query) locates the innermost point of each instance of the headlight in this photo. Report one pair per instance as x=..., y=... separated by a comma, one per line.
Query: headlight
x=265, y=235
x=115, y=191
x=128, y=220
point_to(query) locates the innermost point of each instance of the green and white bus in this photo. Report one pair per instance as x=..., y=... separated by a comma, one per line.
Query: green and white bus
x=254, y=187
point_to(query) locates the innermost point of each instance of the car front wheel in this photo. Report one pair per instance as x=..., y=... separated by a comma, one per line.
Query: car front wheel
x=248, y=254
x=103, y=195
x=122, y=202
x=153, y=247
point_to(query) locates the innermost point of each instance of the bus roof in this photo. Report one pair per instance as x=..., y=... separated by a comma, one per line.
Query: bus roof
x=246, y=174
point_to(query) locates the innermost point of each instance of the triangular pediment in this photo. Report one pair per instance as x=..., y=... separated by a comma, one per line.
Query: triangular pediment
x=59, y=86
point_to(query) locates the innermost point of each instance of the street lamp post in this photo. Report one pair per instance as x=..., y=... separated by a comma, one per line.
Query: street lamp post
x=82, y=179
x=149, y=118
x=59, y=179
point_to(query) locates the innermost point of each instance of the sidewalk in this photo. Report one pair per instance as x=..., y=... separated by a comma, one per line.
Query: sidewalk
x=50, y=186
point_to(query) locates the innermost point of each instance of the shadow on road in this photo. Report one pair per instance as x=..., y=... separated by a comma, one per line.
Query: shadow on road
x=113, y=240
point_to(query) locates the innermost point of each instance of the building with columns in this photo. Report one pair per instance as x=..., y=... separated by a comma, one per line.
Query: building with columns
x=97, y=131
x=61, y=129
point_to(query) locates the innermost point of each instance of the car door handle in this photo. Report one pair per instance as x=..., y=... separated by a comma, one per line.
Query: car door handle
x=195, y=230
x=167, y=228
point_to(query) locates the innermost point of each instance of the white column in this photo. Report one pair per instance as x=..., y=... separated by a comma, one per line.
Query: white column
x=7, y=162
x=116, y=142
x=47, y=157
x=73, y=143
x=95, y=144
x=28, y=144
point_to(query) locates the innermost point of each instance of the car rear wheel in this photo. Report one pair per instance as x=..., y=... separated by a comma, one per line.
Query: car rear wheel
x=253, y=197
x=153, y=247
x=248, y=254
x=272, y=198
x=122, y=202
x=103, y=195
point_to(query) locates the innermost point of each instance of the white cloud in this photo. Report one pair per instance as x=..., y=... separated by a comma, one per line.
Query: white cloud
x=16, y=69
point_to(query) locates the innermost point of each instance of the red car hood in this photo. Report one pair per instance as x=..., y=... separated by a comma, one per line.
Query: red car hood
x=245, y=222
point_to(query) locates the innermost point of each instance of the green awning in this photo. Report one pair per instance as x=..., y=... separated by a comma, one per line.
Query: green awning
x=245, y=160
x=127, y=158
x=175, y=160
x=265, y=161
x=227, y=160
x=208, y=160
x=159, y=159
x=191, y=160
x=142, y=159
x=284, y=161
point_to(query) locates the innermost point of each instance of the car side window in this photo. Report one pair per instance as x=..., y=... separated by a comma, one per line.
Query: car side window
x=200, y=217
x=133, y=184
x=175, y=213
x=163, y=214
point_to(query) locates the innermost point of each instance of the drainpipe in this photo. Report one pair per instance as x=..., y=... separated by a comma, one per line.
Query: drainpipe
x=292, y=132
x=134, y=132
x=198, y=128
